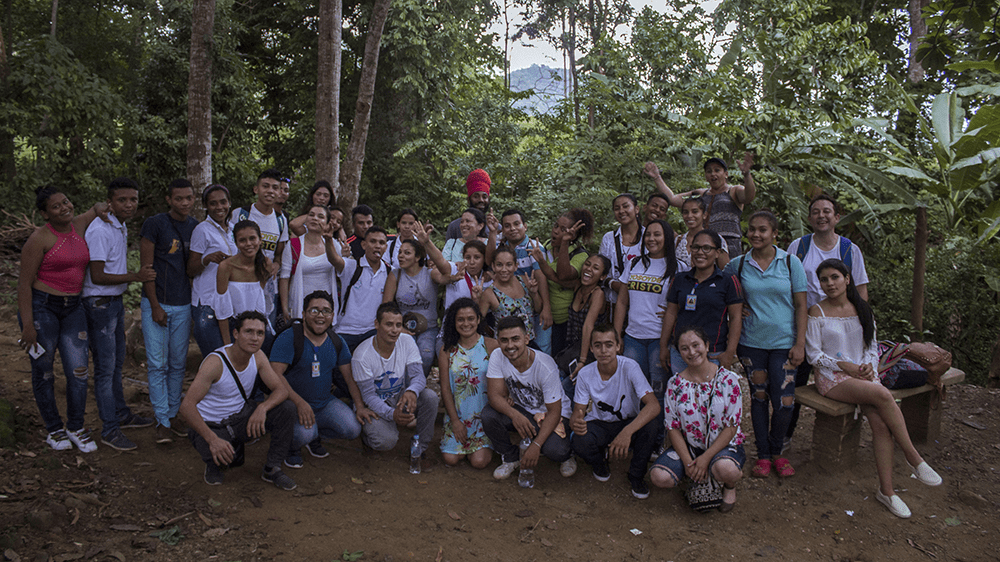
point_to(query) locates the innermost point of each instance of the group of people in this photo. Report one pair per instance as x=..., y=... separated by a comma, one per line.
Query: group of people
x=308, y=334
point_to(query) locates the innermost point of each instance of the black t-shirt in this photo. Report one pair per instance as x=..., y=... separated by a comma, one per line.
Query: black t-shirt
x=171, y=242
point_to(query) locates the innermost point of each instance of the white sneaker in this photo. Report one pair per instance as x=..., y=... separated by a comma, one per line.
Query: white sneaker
x=59, y=441
x=924, y=473
x=81, y=438
x=895, y=505
x=505, y=469
x=568, y=467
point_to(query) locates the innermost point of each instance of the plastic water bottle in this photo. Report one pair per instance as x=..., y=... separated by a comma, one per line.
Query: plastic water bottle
x=526, y=477
x=415, y=455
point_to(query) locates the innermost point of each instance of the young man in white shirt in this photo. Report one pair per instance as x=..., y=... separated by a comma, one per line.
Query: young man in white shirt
x=537, y=407
x=106, y=280
x=812, y=249
x=614, y=408
x=390, y=376
x=363, y=282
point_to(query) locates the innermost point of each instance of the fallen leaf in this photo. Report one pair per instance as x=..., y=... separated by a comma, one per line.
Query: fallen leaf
x=142, y=464
x=256, y=501
x=28, y=454
x=357, y=480
x=9, y=554
x=422, y=481
x=328, y=490
x=216, y=532
x=205, y=520
x=440, y=554
x=546, y=542
x=525, y=513
x=953, y=521
x=454, y=516
x=117, y=555
x=126, y=527
x=973, y=424
x=68, y=556
x=214, y=503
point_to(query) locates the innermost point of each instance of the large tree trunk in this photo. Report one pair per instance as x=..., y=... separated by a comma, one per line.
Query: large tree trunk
x=354, y=159
x=915, y=75
x=993, y=381
x=199, y=133
x=8, y=166
x=328, y=94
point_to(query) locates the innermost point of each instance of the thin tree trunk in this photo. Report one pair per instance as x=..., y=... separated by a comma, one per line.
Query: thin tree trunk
x=199, y=133
x=328, y=94
x=55, y=12
x=993, y=381
x=572, y=64
x=915, y=75
x=354, y=159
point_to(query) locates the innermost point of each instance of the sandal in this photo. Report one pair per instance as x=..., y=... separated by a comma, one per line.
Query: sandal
x=762, y=468
x=726, y=507
x=783, y=468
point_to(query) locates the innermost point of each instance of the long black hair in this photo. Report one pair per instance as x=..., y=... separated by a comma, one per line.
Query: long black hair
x=668, y=249
x=259, y=261
x=449, y=334
x=865, y=315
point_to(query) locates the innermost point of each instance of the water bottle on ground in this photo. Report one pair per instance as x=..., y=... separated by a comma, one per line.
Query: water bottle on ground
x=526, y=477
x=415, y=455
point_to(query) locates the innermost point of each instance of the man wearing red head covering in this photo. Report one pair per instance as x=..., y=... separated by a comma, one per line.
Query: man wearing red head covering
x=478, y=187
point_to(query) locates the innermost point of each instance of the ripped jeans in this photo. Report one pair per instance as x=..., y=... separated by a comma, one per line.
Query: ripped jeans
x=772, y=386
x=61, y=324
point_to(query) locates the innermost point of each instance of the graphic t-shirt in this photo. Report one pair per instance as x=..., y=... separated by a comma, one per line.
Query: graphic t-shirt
x=171, y=242
x=389, y=375
x=616, y=399
x=647, y=294
x=534, y=388
x=270, y=236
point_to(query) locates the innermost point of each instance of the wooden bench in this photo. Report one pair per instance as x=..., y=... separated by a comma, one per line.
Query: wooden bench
x=837, y=432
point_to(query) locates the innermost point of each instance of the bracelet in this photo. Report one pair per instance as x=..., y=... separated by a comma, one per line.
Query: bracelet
x=536, y=443
x=203, y=261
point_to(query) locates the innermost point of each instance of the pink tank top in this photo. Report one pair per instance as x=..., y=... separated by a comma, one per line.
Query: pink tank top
x=64, y=266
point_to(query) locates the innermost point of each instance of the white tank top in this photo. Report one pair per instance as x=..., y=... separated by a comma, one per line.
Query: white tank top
x=223, y=398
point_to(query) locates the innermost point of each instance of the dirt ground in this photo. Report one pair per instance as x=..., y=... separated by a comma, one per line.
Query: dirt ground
x=106, y=505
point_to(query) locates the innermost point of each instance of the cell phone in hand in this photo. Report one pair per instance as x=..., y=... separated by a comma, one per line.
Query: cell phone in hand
x=36, y=351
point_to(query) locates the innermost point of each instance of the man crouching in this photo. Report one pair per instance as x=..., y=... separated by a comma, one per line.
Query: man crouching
x=222, y=417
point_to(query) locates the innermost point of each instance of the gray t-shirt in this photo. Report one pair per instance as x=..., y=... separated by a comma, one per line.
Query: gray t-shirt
x=417, y=293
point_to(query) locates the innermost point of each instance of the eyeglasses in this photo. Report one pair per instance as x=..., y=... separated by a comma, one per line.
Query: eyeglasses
x=703, y=249
x=321, y=311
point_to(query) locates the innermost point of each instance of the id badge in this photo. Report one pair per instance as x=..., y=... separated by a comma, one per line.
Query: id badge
x=692, y=301
x=315, y=366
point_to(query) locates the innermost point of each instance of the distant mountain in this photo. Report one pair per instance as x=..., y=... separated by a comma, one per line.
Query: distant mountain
x=547, y=84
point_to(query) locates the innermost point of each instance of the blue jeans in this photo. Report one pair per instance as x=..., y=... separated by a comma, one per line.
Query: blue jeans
x=336, y=420
x=354, y=340
x=206, y=329
x=647, y=354
x=543, y=336
x=427, y=344
x=770, y=381
x=671, y=461
x=677, y=364
x=166, y=357
x=60, y=323
x=106, y=331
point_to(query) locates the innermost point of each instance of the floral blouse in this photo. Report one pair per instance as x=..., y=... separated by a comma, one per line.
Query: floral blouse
x=687, y=408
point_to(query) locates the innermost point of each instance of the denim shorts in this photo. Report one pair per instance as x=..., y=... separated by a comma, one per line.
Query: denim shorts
x=671, y=461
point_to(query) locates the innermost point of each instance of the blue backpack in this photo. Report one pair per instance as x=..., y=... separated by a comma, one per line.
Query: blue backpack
x=845, y=249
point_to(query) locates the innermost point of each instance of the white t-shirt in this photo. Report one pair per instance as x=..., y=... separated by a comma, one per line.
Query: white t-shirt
x=458, y=289
x=389, y=375
x=816, y=256
x=647, y=295
x=609, y=249
x=270, y=237
x=534, y=388
x=208, y=237
x=621, y=394
x=365, y=296
x=107, y=242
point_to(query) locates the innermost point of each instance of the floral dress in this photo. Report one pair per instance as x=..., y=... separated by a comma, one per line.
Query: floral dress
x=467, y=377
x=687, y=408
x=509, y=306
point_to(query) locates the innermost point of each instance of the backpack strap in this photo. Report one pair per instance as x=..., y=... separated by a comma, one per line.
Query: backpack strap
x=232, y=371
x=620, y=251
x=845, y=251
x=803, y=248
x=296, y=244
x=350, y=285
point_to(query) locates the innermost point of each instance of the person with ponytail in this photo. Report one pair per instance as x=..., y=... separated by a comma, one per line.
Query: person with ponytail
x=842, y=347
x=240, y=280
x=54, y=263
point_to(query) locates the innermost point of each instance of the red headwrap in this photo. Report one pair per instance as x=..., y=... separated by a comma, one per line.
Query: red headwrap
x=478, y=180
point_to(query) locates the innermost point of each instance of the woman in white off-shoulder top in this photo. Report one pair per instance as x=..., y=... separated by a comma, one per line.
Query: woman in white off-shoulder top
x=841, y=346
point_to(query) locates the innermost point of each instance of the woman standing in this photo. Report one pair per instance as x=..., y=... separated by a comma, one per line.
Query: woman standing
x=470, y=224
x=310, y=263
x=414, y=291
x=624, y=244
x=211, y=242
x=511, y=295
x=468, y=277
x=464, y=358
x=321, y=194
x=54, y=261
x=642, y=300
x=693, y=212
x=704, y=297
x=240, y=280
x=842, y=346
x=588, y=309
x=703, y=412
x=773, y=339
